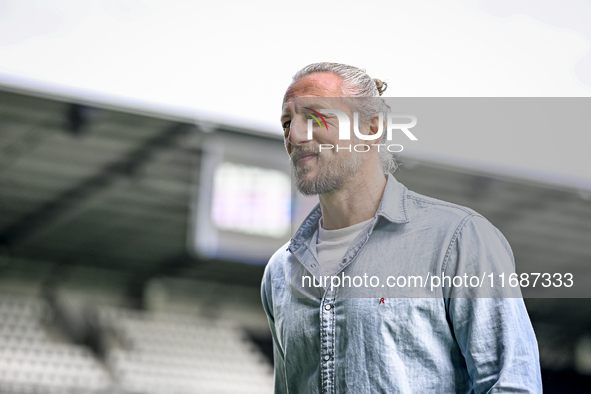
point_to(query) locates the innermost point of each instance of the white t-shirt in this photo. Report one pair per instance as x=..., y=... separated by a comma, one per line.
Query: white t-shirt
x=331, y=245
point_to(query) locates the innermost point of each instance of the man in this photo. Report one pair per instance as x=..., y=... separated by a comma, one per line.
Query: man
x=343, y=338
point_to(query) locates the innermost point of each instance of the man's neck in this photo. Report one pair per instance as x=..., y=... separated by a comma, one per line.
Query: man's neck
x=355, y=202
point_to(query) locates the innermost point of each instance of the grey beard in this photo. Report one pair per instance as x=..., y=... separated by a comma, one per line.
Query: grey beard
x=332, y=176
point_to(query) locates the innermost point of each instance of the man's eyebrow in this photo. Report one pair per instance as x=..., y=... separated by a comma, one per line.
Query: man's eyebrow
x=315, y=106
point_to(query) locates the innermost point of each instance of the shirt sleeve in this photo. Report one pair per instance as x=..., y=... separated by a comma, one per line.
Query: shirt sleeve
x=278, y=356
x=493, y=329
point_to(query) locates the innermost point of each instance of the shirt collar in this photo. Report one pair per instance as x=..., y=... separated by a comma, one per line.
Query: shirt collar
x=393, y=203
x=392, y=207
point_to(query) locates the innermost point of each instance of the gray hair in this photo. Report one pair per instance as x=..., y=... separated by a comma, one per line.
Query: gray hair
x=356, y=83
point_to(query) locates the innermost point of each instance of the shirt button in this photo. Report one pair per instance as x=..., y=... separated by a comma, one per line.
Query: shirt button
x=327, y=307
x=312, y=265
x=344, y=260
x=326, y=358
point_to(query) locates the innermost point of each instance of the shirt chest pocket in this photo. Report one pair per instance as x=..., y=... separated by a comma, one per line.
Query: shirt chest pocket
x=397, y=320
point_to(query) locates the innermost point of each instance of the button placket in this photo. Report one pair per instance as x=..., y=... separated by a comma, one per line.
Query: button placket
x=327, y=341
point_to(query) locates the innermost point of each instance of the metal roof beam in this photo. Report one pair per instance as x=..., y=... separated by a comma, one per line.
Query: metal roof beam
x=45, y=215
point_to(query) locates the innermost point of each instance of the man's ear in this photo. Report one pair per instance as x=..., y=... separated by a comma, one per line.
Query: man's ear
x=374, y=125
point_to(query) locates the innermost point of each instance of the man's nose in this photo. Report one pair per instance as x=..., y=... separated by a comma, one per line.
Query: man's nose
x=298, y=132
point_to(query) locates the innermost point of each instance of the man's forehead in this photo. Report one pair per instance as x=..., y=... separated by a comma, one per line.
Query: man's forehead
x=322, y=84
x=312, y=86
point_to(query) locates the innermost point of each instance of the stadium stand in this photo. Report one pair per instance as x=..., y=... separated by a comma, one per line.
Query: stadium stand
x=32, y=361
x=147, y=352
x=160, y=352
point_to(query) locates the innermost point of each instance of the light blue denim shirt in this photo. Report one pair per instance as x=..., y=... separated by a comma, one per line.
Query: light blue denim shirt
x=332, y=342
